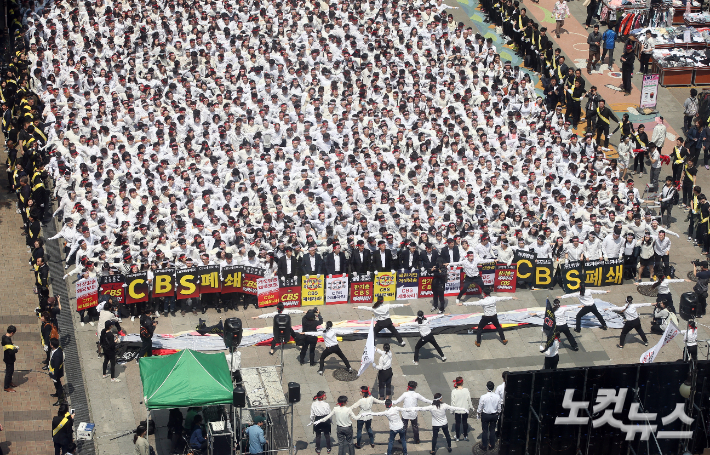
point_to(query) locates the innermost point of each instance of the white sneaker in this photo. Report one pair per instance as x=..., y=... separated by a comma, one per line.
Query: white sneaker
x=157, y=315
x=120, y=320
x=416, y=363
x=433, y=309
x=115, y=380
x=402, y=343
x=441, y=311
x=320, y=372
x=82, y=324
x=690, y=239
x=92, y=323
x=105, y=376
x=443, y=359
x=133, y=318
x=457, y=301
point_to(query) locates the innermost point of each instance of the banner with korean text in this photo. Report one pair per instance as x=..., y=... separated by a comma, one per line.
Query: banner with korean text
x=312, y=290
x=137, y=287
x=290, y=292
x=362, y=289
x=87, y=293
x=336, y=289
x=267, y=291
x=407, y=284
x=386, y=285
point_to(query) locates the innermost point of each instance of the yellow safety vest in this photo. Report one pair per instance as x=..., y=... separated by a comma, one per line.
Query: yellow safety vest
x=641, y=143
x=695, y=204
x=41, y=134
x=8, y=346
x=61, y=424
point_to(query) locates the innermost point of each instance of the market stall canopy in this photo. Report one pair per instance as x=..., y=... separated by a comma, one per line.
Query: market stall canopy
x=187, y=378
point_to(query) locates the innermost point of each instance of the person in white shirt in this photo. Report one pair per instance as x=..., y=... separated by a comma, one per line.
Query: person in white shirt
x=384, y=371
x=690, y=338
x=382, y=317
x=410, y=399
x=632, y=320
x=439, y=420
x=552, y=355
x=588, y=305
x=393, y=414
x=365, y=404
x=490, y=316
x=661, y=286
x=472, y=275
x=319, y=410
x=342, y=416
x=461, y=398
x=560, y=322
x=425, y=335
x=331, y=346
x=488, y=408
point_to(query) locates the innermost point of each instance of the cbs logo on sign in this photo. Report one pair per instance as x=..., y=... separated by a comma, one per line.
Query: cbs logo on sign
x=287, y=297
x=385, y=281
x=311, y=284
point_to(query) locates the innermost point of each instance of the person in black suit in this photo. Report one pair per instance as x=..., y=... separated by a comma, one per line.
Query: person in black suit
x=309, y=323
x=62, y=429
x=56, y=370
x=429, y=258
x=312, y=263
x=450, y=252
x=382, y=259
x=333, y=267
x=289, y=266
x=410, y=259
x=361, y=259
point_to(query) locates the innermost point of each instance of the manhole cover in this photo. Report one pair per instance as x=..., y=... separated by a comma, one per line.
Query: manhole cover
x=341, y=374
x=692, y=278
x=648, y=291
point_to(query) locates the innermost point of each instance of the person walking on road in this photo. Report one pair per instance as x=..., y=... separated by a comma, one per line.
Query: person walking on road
x=627, y=68
x=594, y=40
x=561, y=12
x=690, y=110
x=609, y=39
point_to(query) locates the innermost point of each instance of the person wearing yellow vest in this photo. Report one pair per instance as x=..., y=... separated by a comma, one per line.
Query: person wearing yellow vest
x=678, y=157
x=56, y=370
x=691, y=194
x=702, y=226
x=574, y=107
x=9, y=352
x=62, y=429
x=604, y=117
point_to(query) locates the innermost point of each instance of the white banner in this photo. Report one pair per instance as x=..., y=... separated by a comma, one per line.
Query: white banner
x=336, y=289
x=368, y=355
x=670, y=333
x=267, y=285
x=453, y=283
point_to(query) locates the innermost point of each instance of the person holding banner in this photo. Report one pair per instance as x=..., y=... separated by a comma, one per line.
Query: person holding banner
x=552, y=354
x=382, y=317
x=490, y=316
x=588, y=305
x=425, y=335
x=631, y=320
x=473, y=276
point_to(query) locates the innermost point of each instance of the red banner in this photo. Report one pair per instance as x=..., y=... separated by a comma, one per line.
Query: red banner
x=290, y=296
x=249, y=285
x=268, y=291
x=231, y=279
x=425, y=287
x=362, y=291
x=506, y=278
x=112, y=285
x=188, y=283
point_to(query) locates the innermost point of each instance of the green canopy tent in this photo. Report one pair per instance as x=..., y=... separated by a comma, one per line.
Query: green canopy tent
x=187, y=378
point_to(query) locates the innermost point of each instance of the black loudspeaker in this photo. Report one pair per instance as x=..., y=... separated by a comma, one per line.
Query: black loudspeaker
x=282, y=327
x=232, y=332
x=294, y=392
x=239, y=397
x=688, y=305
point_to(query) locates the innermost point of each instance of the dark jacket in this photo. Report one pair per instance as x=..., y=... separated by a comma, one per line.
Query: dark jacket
x=330, y=264
x=441, y=276
x=424, y=259
x=448, y=257
x=295, y=267
x=377, y=264
x=361, y=267
x=64, y=435
x=108, y=342
x=9, y=349
x=56, y=364
x=306, y=265
x=310, y=323
x=147, y=327
x=403, y=259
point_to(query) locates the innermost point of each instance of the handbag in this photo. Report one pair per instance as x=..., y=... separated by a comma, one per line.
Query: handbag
x=701, y=288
